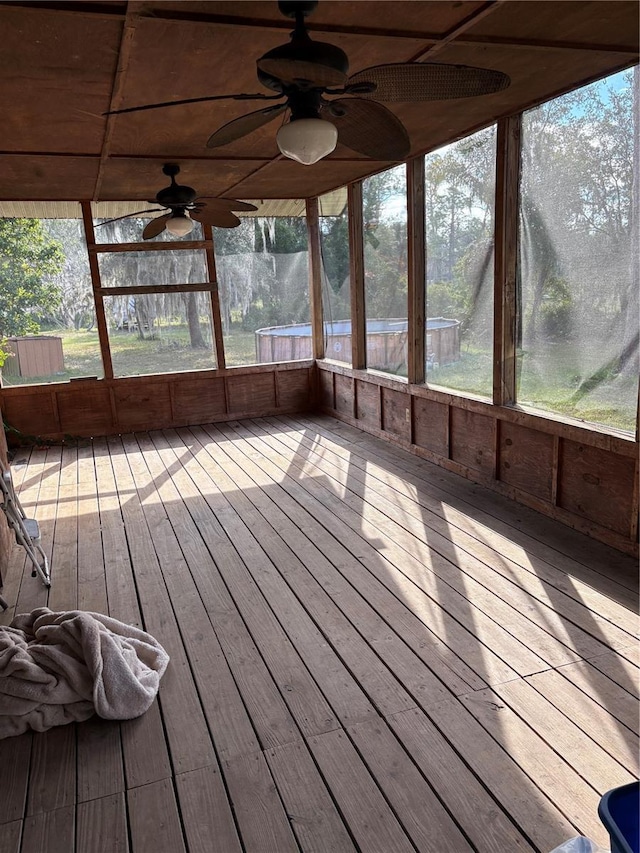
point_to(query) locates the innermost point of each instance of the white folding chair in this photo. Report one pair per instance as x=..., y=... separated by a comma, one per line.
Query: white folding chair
x=26, y=530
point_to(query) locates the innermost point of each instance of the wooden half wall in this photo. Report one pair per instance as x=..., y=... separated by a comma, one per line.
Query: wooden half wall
x=94, y=407
x=5, y=533
x=585, y=478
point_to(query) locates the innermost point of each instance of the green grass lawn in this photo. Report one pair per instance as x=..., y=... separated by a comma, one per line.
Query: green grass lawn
x=133, y=356
x=550, y=381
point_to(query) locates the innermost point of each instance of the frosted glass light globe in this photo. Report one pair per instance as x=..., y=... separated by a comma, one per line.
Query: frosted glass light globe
x=180, y=225
x=307, y=140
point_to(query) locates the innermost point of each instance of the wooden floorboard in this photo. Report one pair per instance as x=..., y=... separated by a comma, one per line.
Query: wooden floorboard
x=368, y=653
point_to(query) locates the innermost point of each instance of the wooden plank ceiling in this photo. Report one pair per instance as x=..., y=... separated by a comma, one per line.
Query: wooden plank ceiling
x=65, y=64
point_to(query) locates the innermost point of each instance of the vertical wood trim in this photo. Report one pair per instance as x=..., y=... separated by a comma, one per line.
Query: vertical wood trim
x=448, y=438
x=412, y=415
x=497, y=435
x=54, y=407
x=114, y=407
x=635, y=507
x=506, y=236
x=555, y=470
x=225, y=385
x=315, y=278
x=172, y=405
x=416, y=267
x=215, y=297
x=276, y=388
x=356, y=276
x=96, y=284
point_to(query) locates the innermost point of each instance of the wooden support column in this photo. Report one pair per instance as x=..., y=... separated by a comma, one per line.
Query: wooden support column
x=416, y=271
x=96, y=284
x=214, y=296
x=506, y=242
x=315, y=278
x=356, y=277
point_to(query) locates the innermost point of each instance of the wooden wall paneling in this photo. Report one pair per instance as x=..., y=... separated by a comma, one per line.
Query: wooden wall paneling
x=396, y=413
x=31, y=414
x=431, y=425
x=315, y=278
x=597, y=485
x=416, y=271
x=326, y=394
x=506, y=237
x=197, y=401
x=472, y=438
x=215, y=297
x=344, y=395
x=457, y=433
x=368, y=403
x=142, y=406
x=294, y=389
x=86, y=411
x=526, y=460
x=356, y=273
x=96, y=284
x=251, y=393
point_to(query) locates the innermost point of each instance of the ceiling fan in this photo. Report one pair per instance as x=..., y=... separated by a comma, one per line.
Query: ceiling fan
x=185, y=207
x=303, y=72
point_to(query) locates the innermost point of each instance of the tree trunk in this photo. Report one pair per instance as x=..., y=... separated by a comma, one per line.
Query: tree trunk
x=195, y=330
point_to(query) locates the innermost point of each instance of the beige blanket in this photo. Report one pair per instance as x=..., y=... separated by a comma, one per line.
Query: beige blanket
x=59, y=667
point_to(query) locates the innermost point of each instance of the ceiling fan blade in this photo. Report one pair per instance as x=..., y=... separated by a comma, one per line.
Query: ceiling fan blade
x=217, y=218
x=297, y=72
x=240, y=97
x=368, y=128
x=431, y=81
x=127, y=215
x=240, y=127
x=225, y=204
x=156, y=226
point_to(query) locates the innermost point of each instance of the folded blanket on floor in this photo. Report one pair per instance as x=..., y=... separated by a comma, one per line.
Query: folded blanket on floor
x=59, y=667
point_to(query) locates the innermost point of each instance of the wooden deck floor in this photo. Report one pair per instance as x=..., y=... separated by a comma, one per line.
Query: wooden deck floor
x=367, y=653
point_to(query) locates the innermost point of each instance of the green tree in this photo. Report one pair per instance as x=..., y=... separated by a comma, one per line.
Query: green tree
x=29, y=259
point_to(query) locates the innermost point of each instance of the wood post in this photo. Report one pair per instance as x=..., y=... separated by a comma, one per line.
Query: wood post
x=215, y=296
x=96, y=284
x=416, y=270
x=356, y=276
x=506, y=242
x=315, y=279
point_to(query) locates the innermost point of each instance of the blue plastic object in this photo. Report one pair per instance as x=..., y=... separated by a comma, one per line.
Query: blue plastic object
x=619, y=811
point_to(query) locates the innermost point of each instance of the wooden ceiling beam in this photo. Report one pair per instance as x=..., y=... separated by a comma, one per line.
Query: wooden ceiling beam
x=543, y=44
x=88, y=9
x=124, y=55
x=453, y=34
x=437, y=40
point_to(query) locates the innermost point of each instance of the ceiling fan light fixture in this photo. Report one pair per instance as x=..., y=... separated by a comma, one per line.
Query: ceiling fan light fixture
x=307, y=140
x=180, y=225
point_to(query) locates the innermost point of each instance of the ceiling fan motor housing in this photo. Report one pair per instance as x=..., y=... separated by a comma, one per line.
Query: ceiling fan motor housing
x=293, y=8
x=175, y=195
x=312, y=53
